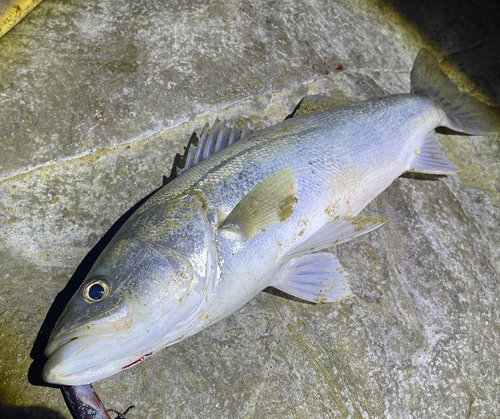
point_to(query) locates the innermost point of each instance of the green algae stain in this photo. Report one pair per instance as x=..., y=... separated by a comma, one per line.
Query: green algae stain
x=286, y=208
x=126, y=65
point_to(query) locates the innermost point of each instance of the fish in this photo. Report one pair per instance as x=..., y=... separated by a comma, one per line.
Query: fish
x=13, y=11
x=250, y=213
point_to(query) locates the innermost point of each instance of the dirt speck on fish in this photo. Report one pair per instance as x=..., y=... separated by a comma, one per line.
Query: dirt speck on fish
x=253, y=212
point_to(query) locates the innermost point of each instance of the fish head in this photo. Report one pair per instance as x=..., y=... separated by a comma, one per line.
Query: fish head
x=138, y=298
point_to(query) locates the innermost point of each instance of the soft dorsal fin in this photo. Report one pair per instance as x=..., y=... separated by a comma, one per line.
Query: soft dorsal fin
x=272, y=201
x=211, y=141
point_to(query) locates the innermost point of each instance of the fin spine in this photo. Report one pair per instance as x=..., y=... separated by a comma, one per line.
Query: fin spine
x=210, y=142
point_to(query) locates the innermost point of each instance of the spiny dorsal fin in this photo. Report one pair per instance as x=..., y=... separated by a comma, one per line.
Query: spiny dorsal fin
x=211, y=141
x=272, y=201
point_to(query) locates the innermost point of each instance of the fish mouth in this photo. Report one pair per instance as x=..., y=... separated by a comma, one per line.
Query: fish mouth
x=83, y=360
x=88, y=333
x=54, y=344
x=91, y=351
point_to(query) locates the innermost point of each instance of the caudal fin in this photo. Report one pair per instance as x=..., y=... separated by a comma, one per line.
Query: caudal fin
x=464, y=113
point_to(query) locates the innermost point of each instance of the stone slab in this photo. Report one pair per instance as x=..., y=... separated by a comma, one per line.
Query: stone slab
x=96, y=100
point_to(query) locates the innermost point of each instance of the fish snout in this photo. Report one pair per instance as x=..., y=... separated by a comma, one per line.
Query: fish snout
x=73, y=353
x=115, y=322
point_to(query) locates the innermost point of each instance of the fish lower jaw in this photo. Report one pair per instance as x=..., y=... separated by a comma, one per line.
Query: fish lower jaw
x=62, y=374
x=86, y=359
x=74, y=379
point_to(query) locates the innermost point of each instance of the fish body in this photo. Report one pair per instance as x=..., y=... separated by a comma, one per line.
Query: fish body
x=257, y=213
x=341, y=159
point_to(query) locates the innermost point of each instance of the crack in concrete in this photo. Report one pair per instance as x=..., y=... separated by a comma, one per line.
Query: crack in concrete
x=30, y=168
x=349, y=401
x=470, y=48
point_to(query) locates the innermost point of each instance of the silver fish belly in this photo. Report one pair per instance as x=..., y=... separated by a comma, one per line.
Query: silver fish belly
x=257, y=213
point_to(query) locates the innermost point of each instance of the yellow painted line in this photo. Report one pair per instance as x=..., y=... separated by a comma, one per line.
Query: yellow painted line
x=13, y=11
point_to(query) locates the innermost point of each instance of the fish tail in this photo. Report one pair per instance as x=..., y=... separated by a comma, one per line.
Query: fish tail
x=463, y=112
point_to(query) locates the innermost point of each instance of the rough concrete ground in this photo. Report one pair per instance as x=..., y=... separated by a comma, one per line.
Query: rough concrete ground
x=96, y=100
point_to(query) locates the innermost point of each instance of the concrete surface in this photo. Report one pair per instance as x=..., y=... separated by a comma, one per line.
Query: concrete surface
x=96, y=98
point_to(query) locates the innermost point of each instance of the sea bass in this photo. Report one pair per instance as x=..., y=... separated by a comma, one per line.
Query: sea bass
x=250, y=215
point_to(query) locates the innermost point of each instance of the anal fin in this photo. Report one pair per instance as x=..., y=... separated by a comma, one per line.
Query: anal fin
x=317, y=277
x=430, y=159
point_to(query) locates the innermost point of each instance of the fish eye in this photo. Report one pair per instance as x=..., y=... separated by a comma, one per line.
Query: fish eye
x=96, y=290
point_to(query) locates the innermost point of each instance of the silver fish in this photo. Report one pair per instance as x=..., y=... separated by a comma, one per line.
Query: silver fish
x=257, y=213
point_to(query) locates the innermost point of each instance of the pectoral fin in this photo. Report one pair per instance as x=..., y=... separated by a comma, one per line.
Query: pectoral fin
x=318, y=278
x=335, y=232
x=271, y=202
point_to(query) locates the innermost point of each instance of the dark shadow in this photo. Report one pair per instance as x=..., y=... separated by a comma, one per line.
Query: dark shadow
x=295, y=110
x=449, y=131
x=422, y=176
x=464, y=32
x=278, y=293
x=180, y=160
x=32, y=412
